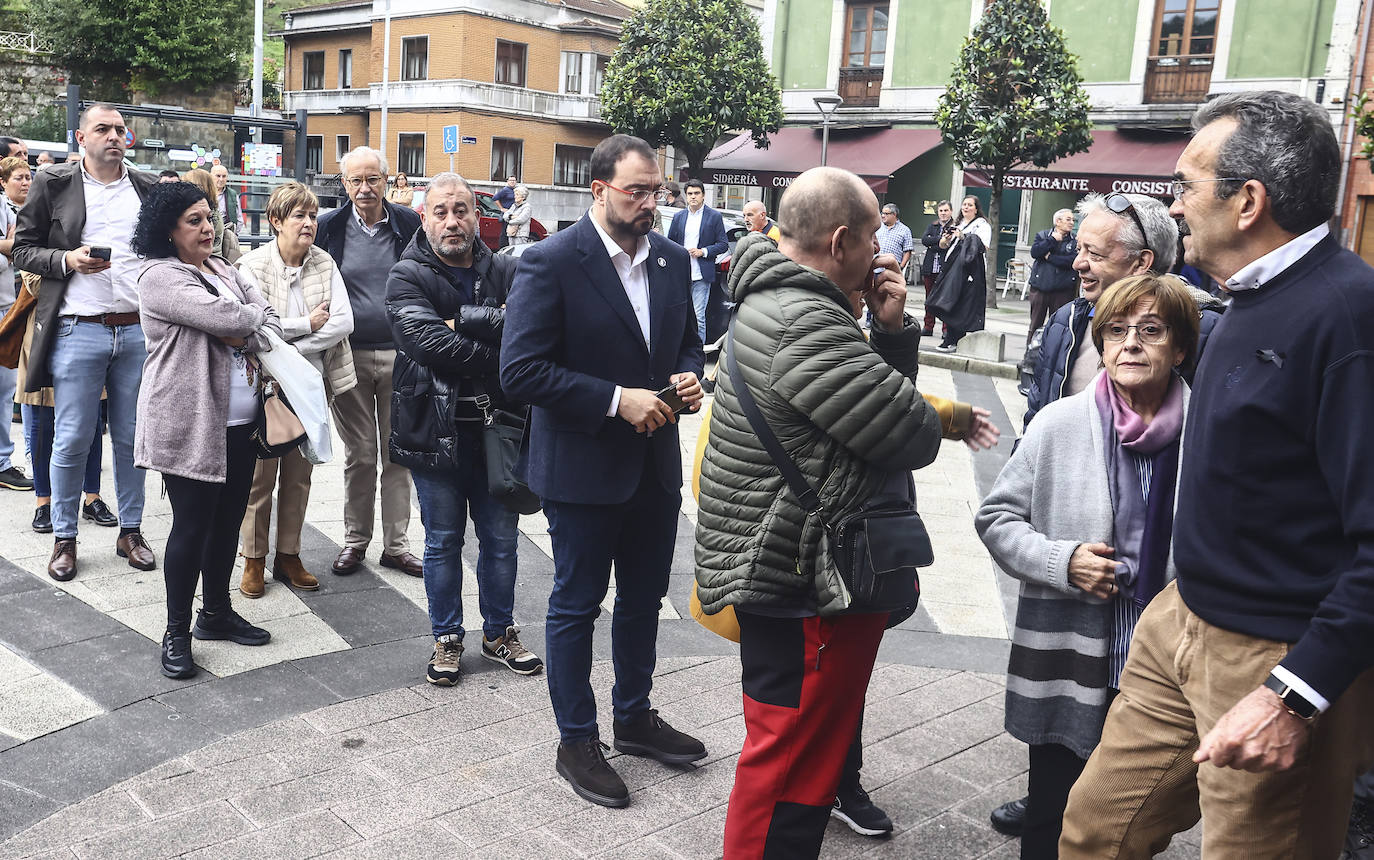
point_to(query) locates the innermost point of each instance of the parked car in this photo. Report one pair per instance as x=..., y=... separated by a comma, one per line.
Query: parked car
x=489, y=225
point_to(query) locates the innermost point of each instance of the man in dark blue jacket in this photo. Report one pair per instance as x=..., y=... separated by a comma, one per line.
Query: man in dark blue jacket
x=700, y=230
x=599, y=323
x=1053, y=281
x=930, y=264
x=366, y=237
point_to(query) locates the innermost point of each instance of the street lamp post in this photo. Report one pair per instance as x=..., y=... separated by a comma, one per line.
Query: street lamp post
x=826, y=105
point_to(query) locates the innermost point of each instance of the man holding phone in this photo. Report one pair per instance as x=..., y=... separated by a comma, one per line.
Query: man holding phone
x=75, y=232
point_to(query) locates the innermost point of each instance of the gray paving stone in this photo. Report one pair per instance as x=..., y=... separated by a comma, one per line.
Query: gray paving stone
x=980, y=806
x=891, y=758
x=596, y=828
x=380, y=615
x=408, y=805
x=19, y=808
x=921, y=796
x=944, y=650
x=645, y=848
x=445, y=754
x=525, y=730
x=112, y=670
x=169, y=837
x=372, y=668
x=251, y=742
x=14, y=579
x=298, y=796
x=530, y=766
x=377, y=708
x=251, y=699
x=425, y=840
x=304, y=836
x=972, y=724
x=990, y=762
x=454, y=710
x=704, y=708
x=311, y=753
x=945, y=837
x=174, y=794
x=29, y=615
x=497, y=819
x=706, y=786
x=544, y=843
x=700, y=835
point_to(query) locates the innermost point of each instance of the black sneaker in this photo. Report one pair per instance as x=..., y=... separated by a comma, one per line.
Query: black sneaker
x=13, y=479
x=42, y=519
x=649, y=735
x=1009, y=819
x=583, y=765
x=176, y=655
x=228, y=625
x=853, y=807
x=99, y=513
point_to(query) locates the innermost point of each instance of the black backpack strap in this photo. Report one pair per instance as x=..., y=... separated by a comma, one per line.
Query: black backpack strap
x=801, y=488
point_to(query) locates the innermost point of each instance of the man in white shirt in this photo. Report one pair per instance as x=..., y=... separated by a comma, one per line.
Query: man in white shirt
x=700, y=230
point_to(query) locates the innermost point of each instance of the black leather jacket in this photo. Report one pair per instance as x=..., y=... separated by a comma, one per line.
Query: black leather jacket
x=435, y=423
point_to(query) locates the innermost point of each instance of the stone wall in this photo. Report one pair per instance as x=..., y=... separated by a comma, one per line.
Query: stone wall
x=28, y=83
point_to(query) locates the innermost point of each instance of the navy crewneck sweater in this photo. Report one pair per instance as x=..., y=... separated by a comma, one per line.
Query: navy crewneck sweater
x=1274, y=535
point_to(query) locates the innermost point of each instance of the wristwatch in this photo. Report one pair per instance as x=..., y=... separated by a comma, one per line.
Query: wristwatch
x=1293, y=702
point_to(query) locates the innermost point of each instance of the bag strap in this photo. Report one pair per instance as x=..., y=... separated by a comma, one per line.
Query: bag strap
x=806, y=494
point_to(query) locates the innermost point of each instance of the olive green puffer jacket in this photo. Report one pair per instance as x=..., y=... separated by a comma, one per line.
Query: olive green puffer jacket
x=845, y=408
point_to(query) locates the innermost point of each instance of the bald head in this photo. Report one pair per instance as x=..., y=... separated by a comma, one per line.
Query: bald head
x=820, y=201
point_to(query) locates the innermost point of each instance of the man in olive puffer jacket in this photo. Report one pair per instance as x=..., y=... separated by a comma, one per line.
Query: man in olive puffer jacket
x=848, y=411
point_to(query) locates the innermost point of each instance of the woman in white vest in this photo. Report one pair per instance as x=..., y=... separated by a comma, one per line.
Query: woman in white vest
x=302, y=283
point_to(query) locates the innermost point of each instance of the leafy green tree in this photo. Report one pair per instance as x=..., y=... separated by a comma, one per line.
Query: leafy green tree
x=113, y=47
x=1015, y=98
x=686, y=72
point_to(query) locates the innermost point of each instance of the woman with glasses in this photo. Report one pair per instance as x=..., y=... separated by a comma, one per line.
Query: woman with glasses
x=402, y=193
x=962, y=288
x=1082, y=514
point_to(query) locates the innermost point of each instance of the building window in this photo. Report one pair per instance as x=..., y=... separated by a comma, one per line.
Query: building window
x=312, y=63
x=865, y=36
x=1179, y=70
x=600, y=75
x=506, y=154
x=346, y=69
x=510, y=63
x=572, y=72
x=415, y=58
x=572, y=165
x=341, y=146
x=314, y=153
x=412, y=155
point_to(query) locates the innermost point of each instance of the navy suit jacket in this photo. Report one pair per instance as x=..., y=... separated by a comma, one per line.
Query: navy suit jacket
x=570, y=338
x=712, y=239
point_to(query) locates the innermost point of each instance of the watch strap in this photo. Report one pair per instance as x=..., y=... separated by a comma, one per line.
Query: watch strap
x=1292, y=700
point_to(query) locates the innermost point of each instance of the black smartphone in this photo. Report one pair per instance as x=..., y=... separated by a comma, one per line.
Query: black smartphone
x=670, y=396
x=100, y=253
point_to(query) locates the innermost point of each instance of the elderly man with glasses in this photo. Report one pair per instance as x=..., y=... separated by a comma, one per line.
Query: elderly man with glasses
x=366, y=237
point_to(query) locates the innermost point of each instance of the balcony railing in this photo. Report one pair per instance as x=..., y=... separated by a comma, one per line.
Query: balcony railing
x=422, y=94
x=320, y=101
x=861, y=87
x=28, y=42
x=1174, y=80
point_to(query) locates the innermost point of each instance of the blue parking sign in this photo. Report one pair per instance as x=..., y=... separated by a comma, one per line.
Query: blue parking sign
x=450, y=138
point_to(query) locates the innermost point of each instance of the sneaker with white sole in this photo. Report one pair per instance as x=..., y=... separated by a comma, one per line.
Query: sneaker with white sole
x=444, y=666
x=853, y=807
x=509, y=652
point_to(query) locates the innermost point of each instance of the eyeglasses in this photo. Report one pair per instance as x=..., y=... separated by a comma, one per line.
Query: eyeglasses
x=1179, y=186
x=1121, y=204
x=1152, y=333
x=640, y=195
x=356, y=182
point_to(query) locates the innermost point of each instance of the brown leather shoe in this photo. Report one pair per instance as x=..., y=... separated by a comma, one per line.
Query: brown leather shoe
x=405, y=563
x=133, y=547
x=289, y=568
x=349, y=560
x=62, y=565
x=252, y=585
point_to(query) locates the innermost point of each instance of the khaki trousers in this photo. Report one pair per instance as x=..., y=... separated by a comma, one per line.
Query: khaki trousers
x=290, y=475
x=363, y=416
x=1140, y=785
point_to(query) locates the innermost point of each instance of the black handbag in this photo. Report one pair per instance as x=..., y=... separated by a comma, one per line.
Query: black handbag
x=876, y=548
x=276, y=431
x=503, y=438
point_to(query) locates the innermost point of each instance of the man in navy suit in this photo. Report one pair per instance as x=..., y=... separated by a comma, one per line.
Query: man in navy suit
x=700, y=230
x=598, y=321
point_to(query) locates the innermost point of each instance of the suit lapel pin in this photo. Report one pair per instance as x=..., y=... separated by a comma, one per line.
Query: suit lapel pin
x=662, y=263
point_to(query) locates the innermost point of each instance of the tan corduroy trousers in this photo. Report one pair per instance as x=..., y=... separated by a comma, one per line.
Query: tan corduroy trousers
x=290, y=476
x=363, y=416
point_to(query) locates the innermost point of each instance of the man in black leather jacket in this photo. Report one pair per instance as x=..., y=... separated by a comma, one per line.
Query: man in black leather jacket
x=445, y=301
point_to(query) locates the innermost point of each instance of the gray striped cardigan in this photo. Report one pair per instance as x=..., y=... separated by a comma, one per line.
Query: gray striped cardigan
x=1050, y=497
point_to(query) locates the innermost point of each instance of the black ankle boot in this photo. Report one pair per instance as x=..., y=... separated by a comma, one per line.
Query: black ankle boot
x=176, y=655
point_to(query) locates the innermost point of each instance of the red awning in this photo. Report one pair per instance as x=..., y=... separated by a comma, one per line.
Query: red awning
x=874, y=154
x=1132, y=162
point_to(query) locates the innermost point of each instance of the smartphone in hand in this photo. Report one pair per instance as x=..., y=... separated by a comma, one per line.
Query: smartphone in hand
x=100, y=253
x=670, y=396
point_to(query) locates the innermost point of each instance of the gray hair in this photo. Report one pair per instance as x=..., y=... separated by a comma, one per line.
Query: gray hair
x=448, y=180
x=361, y=151
x=1286, y=143
x=896, y=210
x=1161, y=231
x=521, y=191
x=1065, y=212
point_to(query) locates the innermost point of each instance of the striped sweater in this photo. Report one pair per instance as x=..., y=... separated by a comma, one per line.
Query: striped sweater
x=1052, y=496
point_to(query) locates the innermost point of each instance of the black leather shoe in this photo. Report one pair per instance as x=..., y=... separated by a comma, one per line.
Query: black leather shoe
x=176, y=655
x=42, y=519
x=1010, y=818
x=649, y=735
x=228, y=625
x=584, y=766
x=99, y=513
x=348, y=561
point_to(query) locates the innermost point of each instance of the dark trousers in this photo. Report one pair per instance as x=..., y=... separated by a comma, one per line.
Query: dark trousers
x=1364, y=789
x=929, y=324
x=637, y=535
x=804, y=684
x=1044, y=304
x=1053, y=771
x=205, y=532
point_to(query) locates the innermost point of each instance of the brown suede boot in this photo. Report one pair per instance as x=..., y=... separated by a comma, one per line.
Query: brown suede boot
x=252, y=585
x=289, y=568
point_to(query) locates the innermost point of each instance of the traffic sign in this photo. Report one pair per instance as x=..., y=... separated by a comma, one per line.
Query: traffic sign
x=129, y=138
x=450, y=138
x=469, y=140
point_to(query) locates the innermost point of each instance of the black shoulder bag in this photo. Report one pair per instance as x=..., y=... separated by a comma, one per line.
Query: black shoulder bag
x=503, y=441
x=876, y=548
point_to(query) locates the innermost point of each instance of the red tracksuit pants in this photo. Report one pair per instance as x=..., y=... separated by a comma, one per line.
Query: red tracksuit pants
x=804, y=685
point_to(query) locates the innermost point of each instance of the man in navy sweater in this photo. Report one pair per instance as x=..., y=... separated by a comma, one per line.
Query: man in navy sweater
x=1248, y=697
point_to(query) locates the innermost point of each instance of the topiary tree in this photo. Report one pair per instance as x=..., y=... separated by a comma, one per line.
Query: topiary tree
x=1015, y=98
x=686, y=72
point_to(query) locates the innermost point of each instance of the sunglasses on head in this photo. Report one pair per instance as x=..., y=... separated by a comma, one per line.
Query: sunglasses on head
x=1121, y=204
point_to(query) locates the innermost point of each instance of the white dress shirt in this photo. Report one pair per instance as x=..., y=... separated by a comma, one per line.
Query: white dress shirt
x=634, y=279
x=1260, y=272
x=111, y=215
x=691, y=238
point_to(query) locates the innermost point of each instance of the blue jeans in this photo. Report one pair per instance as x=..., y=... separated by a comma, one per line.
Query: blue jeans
x=701, y=294
x=87, y=357
x=447, y=497
x=638, y=535
x=38, y=433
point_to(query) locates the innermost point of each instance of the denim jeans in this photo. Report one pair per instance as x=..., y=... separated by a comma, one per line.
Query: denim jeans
x=87, y=357
x=447, y=497
x=701, y=294
x=38, y=432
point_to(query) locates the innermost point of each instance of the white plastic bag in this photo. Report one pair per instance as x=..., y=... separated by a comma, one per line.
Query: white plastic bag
x=304, y=389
